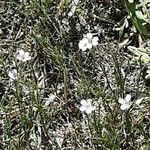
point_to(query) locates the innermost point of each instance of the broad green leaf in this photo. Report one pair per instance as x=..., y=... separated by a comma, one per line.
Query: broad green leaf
x=141, y=53
x=141, y=16
x=137, y=22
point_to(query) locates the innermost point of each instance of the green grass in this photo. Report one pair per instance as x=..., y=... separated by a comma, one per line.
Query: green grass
x=30, y=118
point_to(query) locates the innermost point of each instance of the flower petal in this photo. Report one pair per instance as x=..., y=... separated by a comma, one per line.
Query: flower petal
x=128, y=98
x=125, y=106
x=89, y=102
x=83, y=108
x=89, y=110
x=89, y=45
x=84, y=48
x=83, y=102
x=85, y=40
x=121, y=101
x=130, y=1
x=21, y=52
x=95, y=41
x=89, y=35
x=83, y=44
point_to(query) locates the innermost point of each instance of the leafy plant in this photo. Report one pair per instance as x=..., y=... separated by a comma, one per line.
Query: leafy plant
x=143, y=54
x=138, y=14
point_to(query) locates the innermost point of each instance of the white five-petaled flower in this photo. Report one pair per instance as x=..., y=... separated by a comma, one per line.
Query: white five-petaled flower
x=88, y=41
x=86, y=105
x=125, y=103
x=13, y=74
x=84, y=44
x=23, y=56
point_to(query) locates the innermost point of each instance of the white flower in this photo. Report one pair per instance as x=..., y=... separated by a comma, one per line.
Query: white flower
x=86, y=106
x=13, y=74
x=23, y=56
x=88, y=41
x=84, y=44
x=125, y=103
